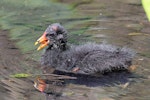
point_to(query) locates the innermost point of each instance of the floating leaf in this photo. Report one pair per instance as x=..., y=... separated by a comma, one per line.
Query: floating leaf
x=136, y=33
x=21, y=75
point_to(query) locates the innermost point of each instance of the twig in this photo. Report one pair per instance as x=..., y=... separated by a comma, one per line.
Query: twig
x=58, y=76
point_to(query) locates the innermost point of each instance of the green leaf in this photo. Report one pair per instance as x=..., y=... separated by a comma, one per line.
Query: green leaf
x=21, y=75
x=146, y=5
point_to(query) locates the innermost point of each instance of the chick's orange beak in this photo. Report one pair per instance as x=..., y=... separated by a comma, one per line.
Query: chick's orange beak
x=43, y=41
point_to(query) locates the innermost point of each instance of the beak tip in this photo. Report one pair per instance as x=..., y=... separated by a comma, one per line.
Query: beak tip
x=36, y=43
x=38, y=49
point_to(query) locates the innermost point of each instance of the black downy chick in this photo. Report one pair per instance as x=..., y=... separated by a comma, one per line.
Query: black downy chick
x=89, y=58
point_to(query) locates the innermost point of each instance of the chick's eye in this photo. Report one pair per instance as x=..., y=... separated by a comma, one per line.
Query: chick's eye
x=50, y=34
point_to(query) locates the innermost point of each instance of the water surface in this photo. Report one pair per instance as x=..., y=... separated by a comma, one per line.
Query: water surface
x=122, y=23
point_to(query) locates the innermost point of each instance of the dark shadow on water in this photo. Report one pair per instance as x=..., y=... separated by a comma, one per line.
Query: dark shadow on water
x=107, y=79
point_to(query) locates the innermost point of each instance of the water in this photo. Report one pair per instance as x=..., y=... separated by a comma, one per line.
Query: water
x=122, y=23
x=114, y=24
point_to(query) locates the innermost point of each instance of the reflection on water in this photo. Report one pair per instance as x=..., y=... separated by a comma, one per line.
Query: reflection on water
x=108, y=79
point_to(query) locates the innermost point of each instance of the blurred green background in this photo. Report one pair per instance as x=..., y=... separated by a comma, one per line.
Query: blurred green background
x=26, y=20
